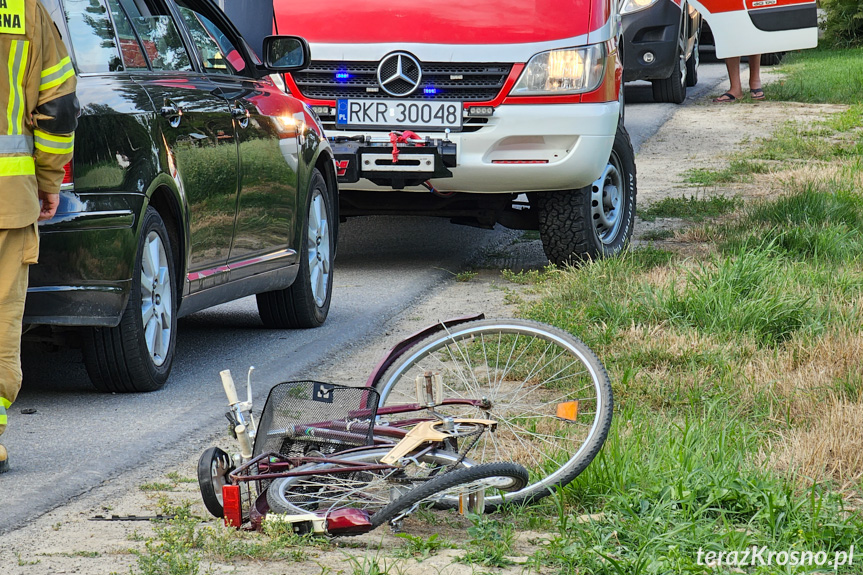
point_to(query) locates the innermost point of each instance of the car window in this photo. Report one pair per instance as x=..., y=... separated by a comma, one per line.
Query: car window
x=159, y=35
x=133, y=54
x=92, y=35
x=218, y=54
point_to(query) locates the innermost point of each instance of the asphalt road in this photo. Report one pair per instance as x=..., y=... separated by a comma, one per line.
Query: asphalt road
x=75, y=438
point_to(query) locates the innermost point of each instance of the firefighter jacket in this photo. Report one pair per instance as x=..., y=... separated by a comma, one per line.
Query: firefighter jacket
x=38, y=110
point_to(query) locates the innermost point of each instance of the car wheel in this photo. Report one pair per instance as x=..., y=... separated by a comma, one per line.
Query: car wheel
x=672, y=90
x=595, y=221
x=137, y=354
x=693, y=61
x=306, y=302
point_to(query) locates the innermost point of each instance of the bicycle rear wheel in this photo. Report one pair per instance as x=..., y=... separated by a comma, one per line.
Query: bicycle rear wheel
x=549, y=393
x=487, y=477
x=370, y=490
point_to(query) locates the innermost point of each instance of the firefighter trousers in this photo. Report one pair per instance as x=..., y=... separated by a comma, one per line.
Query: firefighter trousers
x=18, y=249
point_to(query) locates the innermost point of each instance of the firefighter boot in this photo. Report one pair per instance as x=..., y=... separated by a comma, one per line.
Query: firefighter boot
x=4, y=460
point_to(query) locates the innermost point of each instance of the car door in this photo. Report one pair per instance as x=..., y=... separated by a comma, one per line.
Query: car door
x=743, y=27
x=266, y=136
x=198, y=134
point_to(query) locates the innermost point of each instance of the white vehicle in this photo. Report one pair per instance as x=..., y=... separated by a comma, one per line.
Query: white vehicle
x=517, y=107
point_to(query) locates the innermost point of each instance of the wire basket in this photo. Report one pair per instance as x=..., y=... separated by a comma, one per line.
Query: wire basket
x=310, y=418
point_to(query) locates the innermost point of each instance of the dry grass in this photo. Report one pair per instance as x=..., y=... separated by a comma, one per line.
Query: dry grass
x=830, y=448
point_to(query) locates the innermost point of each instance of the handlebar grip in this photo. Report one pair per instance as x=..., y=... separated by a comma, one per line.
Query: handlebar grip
x=228, y=384
x=245, y=442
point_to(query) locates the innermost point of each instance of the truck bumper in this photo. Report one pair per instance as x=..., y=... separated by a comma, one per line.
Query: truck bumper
x=525, y=148
x=655, y=30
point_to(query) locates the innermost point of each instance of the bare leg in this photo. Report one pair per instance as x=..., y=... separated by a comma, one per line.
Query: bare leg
x=755, y=72
x=733, y=67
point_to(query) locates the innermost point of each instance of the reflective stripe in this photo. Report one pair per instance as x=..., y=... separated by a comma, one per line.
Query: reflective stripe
x=3, y=419
x=15, y=108
x=53, y=144
x=16, y=144
x=17, y=166
x=5, y=403
x=57, y=74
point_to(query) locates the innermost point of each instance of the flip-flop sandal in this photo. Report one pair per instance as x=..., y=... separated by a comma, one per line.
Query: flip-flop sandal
x=726, y=97
x=756, y=94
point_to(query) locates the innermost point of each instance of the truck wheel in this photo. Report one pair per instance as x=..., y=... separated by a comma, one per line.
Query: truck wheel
x=772, y=58
x=306, y=302
x=137, y=354
x=693, y=61
x=595, y=221
x=672, y=90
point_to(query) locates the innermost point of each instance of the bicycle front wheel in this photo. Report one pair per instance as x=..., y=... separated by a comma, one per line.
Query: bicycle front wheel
x=329, y=488
x=486, y=477
x=548, y=392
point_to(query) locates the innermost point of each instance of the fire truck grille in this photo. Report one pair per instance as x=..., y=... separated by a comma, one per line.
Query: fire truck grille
x=465, y=82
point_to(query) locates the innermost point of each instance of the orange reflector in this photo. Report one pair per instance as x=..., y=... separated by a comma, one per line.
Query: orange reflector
x=568, y=410
x=231, y=504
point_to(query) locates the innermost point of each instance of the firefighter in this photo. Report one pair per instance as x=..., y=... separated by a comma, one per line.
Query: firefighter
x=38, y=113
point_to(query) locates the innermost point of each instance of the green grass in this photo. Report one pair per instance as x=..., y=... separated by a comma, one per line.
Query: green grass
x=668, y=487
x=820, y=76
x=692, y=208
x=738, y=170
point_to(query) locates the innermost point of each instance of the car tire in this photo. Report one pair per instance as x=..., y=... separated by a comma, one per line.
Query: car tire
x=693, y=61
x=595, y=221
x=306, y=302
x=672, y=90
x=137, y=354
x=772, y=58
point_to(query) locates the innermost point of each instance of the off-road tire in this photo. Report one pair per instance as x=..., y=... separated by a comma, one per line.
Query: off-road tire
x=117, y=358
x=566, y=218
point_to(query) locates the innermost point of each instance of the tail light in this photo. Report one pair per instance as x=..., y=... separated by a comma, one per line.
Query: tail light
x=67, y=173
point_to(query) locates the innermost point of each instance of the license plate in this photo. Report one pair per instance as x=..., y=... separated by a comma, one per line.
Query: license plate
x=399, y=114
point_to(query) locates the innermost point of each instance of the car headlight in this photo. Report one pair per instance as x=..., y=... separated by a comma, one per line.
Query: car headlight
x=630, y=6
x=566, y=71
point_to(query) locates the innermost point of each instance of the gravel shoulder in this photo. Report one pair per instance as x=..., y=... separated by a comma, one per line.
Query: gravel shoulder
x=71, y=539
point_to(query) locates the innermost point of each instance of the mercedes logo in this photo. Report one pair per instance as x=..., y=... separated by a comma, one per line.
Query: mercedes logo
x=399, y=74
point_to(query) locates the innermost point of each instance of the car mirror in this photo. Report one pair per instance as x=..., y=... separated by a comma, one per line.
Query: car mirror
x=286, y=53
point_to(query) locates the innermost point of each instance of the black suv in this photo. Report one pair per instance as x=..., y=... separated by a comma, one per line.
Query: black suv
x=660, y=44
x=195, y=181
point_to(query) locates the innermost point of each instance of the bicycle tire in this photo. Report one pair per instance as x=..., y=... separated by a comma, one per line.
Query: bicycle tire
x=527, y=369
x=364, y=490
x=498, y=476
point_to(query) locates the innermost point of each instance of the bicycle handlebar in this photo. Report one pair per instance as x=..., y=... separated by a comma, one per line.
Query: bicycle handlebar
x=230, y=388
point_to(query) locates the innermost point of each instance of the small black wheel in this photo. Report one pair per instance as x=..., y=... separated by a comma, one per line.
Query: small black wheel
x=494, y=477
x=306, y=302
x=137, y=354
x=595, y=221
x=213, y=469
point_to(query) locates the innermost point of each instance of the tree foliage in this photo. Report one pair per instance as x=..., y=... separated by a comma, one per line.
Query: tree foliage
x=842, y=23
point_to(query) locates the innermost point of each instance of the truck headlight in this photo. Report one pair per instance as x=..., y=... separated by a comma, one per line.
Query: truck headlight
x=566, y=71
x=630, y=6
